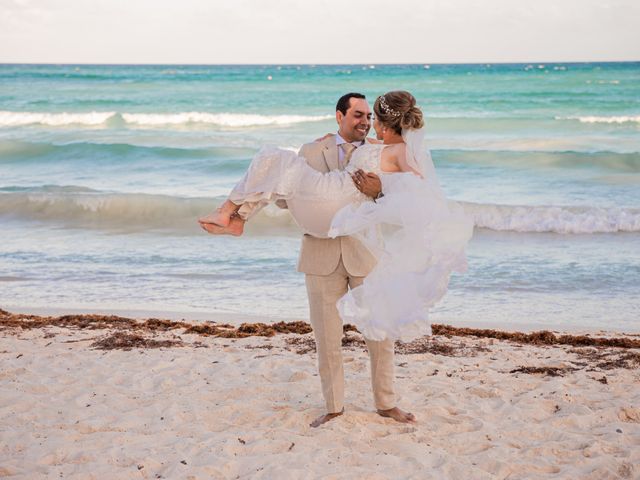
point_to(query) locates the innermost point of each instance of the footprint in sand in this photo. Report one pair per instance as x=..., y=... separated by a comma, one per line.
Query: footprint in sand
x=484, y=392
x=298, y=376
x=629, y=414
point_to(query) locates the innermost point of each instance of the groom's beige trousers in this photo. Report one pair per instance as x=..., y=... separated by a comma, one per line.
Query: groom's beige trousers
x=324, y=291
x=331, y=267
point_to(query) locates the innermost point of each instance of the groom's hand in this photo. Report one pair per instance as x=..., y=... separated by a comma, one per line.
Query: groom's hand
x=367, y=183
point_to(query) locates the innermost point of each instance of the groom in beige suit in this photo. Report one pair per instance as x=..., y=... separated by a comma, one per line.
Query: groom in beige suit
x=331, y=266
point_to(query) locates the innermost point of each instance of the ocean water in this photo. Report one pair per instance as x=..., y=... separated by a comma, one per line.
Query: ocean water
x=104, y=170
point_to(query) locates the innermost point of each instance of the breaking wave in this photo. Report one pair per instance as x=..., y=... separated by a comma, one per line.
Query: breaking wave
x=86, y=208
x=554, y=219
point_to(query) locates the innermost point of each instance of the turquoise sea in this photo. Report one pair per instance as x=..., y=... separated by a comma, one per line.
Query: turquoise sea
x=104, y=170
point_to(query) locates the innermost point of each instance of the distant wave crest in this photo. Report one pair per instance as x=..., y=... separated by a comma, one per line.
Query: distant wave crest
x=16, y=119
x=597, y=119
x=79, y=206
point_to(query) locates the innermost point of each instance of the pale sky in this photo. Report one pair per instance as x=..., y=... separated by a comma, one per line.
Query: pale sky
x=320, y=31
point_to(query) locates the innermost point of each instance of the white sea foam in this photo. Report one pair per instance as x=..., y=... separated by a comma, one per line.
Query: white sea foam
x=15, y=119
x=77, y=206
x=555, y=219
x=222, y=119
x=597, y=119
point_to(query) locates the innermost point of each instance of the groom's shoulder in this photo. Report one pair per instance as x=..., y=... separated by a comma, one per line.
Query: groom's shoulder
x=319, y=145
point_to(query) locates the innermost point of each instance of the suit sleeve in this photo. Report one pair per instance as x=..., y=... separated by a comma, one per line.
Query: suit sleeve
x=301, y=153
x=304, y=150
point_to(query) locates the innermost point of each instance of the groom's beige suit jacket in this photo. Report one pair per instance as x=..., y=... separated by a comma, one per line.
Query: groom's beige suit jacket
x=320, y=256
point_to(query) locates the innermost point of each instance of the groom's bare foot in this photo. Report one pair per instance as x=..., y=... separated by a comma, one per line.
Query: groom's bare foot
x=322, y=419
x=235, y=227
x=398, y=415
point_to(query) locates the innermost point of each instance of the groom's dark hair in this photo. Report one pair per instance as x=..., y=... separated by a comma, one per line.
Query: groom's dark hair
x=343, y=102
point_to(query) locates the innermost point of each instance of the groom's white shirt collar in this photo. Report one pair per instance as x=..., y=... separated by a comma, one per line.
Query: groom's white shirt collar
x=340, y=141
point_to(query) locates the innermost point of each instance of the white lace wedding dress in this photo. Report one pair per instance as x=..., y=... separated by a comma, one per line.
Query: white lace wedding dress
x=422, y=239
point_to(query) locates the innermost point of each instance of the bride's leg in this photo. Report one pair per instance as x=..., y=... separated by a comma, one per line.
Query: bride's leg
x=222, y=215
x=235, y=227
x=282, y=175
x=271, y=175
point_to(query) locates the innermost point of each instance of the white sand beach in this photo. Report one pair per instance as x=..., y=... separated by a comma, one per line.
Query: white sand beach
x=211, y=407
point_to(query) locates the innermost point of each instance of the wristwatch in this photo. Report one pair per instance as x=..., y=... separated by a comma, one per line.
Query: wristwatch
x=379, y=196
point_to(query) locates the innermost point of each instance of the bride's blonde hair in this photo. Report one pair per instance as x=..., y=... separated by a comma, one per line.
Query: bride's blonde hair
x=397, y=110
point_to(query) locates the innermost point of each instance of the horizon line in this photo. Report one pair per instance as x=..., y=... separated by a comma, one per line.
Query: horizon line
x=574, y=62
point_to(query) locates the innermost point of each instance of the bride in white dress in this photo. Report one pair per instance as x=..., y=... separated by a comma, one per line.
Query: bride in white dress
x=422, y=239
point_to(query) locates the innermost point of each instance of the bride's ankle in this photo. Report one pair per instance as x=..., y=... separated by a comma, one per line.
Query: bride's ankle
x=228, y=207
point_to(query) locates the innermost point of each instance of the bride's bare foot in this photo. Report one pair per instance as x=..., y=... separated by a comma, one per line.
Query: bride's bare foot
x=322, y=419
x=235, y=227
x=222, y=215
x=398, y=415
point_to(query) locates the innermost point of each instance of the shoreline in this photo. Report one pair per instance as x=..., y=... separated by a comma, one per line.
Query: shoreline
x=25, y=321
x=139, y=314
x=239, y=318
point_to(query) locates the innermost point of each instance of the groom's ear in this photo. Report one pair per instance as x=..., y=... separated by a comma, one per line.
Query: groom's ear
x=339, y=116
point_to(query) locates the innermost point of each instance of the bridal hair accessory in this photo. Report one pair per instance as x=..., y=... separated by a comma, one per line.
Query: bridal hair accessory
x=386, y=108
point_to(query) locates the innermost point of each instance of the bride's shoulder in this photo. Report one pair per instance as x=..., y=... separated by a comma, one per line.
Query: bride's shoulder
x=396, y=150
x=393, y=157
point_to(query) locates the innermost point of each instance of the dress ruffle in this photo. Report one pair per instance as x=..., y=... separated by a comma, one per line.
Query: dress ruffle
x=273, y=174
